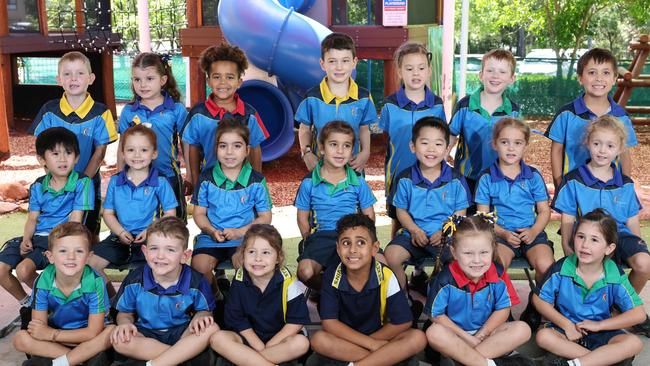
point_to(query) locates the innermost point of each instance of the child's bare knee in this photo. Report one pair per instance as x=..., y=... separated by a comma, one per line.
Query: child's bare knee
x=544, y=337
x=5, y=269
x=633, y=343
x=437, y=334
x=300, y=344
x=22, y=340
x=305, y=272
x=25, y=271
x=641, y=264
x=520, y=329
x=320, y=341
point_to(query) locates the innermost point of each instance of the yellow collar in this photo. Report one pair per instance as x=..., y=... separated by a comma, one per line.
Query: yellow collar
x=353, y=92
x=81, y=111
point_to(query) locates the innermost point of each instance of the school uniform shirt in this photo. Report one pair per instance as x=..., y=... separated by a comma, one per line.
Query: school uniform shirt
x=466, y=303
x=361, y=310
x=431, y=203
x=581, y=192
x=563, y=288
x=512, y=200
x=398, y=116
x=54, y=207
x=166, y=121
x=569, y=127
x=264, y=312
x=136, y=207
x=91, y=122
x=160, y=308
x=328, y=202
x=320, y=106
x=202, y=122
x=230, y=204
x=473, y=125
x=72, y=311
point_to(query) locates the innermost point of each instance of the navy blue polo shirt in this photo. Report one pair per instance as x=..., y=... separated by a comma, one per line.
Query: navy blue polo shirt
x=55, y=207
x=91, y=122
x=563, y=288
x=152, y=197
x=431, y=203
x=473, y=125
x=581, y=192
x=72, y=311
x=513, y=201
x=230, y=204
x=321, y=106
x=569, y=127
x=398, y=116
x=466, y=303
x=160, y=308
x=361, y=310
x=166, y=121
x=328, y=202
x=202, y=122
x=249, y=308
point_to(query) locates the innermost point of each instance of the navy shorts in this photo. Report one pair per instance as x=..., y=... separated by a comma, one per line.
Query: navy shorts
x=391, y=210
x=117, y=253
x=10, y=253
x=220, y=254
x=176, y=181
x=520, y=252
x=627, y=246
x=592, y=340
x=167, y=336
x=320, y=246
x=418, y=254
x=93, y=219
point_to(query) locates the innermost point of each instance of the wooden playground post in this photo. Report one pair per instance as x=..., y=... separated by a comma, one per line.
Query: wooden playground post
x=5, y=83
x=631, y=78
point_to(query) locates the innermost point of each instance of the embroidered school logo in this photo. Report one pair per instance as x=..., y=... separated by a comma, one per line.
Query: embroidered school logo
x=135, y=121
x=604, y=296
x=179, y=305
x=85, y=132
x=146, y=191
x=244, y=198
x=444, y=195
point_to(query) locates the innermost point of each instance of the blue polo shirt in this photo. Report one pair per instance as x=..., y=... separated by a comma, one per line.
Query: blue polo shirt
x=328, y=202
x=569, y=127
x=466, y=303
x=563, y=288
x=513, y=201
x=473, y=125
x=166, y=121
x=54, y=207
x=431, y=203
x=320, y=106
x=581, y=192
x=230, y=204
x=91, y=122
x=361, y=310
x=249, y=308
x=202, y=122
x=398, y=116
x=70, y=312
x=160, y=308
x=152, y=197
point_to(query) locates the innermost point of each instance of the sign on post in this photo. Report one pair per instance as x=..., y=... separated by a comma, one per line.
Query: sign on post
x=395, y=13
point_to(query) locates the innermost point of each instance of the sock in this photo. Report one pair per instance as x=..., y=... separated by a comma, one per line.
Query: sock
x=149, y=363
x=491, y=362
x=60, y=361
x=575, y=362
x=24, y=301
x=351, y=364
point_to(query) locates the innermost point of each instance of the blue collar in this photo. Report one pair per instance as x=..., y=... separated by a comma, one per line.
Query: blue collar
x=418, y=178
x=581, y=107
x=590, y=180
x=181, y=287
x=372, y=283
x=151, y=181
x=168, y=103
x=497, y=175
x=403, y=100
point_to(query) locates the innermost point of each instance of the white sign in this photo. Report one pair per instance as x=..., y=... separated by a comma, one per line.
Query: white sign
x=395, y=13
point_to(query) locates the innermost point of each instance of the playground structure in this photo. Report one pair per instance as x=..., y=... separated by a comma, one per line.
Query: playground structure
x=632, y=78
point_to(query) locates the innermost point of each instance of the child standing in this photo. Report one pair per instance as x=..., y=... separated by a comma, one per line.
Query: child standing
x=577, y=296
x=330, y=191
x=337, y=97
x=470, y=300
x=366, y=318
x=265, y=307
x=165, y=306
x=413, y=101
x=224, y=66
x=476, y=114
x=229, y=198
x=426, y=194
x=156, y=104
x=90, y=121
x=59, y=196
x=135, y=197
x=69, y=303
x=597, y=70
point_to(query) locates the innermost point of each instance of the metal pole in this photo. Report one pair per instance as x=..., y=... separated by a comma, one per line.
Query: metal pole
x=447, y=54
x=464, y=28
x=144, y=35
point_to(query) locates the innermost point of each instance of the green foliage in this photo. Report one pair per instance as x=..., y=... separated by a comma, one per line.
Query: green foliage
x=60, y=15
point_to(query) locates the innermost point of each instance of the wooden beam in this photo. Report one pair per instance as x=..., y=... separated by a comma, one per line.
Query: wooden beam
x=637, y=109
x=79, y=25
x=108, y=83
x=391, y=80
x=640, y=121
x=193, y=13
x=197, y=82
x=42, y=17
x=4, y=19
x=6, y=107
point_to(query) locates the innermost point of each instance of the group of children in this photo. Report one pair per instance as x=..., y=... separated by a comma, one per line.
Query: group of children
x=163, y=311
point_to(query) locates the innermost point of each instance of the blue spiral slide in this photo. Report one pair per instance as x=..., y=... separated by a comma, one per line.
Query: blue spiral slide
x=284, y=43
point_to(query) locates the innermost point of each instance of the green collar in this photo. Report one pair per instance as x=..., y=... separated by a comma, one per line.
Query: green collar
x=350, y=179
x=242, y=178
x=47, y=282
x=70, y=184
x=475, y=104
x=612, y=274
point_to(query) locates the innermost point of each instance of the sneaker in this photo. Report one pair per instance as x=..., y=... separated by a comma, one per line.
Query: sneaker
x=25, y=316
x=642, y=328
x=514, y=360
x=416, y=310
x=419, y=283
x=554, y=360
x=530, y=315
x=38, y=361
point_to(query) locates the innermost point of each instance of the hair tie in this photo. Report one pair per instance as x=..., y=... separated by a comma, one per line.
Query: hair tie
x=450, y=227
x=489, y=217
x=429, y=56
x=165, y=58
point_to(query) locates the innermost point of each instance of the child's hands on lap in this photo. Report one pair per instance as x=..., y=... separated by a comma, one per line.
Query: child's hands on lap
x=200, y=323
x=573, y=333
x=435, y=238
x=40, y=330
x=233, y=233
x=588, y=326
x=123, y=333
x=377, y=344
x=141, y=237
x=218, y=235
x=526, y=235
x=511, y=238
x=26, y=246
x=358, y=162
x=125, y=237
x=419, y=237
